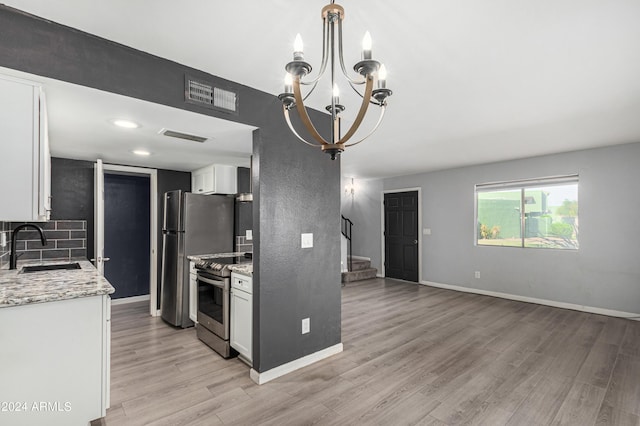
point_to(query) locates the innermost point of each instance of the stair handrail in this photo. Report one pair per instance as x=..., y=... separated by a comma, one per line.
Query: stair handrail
x=346, y=230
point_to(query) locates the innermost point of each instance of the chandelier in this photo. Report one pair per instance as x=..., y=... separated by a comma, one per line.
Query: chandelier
x=371, y=73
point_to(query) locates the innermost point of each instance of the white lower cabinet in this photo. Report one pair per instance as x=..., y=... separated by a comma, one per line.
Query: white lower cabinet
x=193, y=292
x=54, y=362
x=242, y=315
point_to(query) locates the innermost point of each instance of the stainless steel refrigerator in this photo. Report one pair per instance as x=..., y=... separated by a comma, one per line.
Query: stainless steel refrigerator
x=193, y=224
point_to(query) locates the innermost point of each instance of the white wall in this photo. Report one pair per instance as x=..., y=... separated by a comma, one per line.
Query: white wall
x=603, y=273
x=363, y=208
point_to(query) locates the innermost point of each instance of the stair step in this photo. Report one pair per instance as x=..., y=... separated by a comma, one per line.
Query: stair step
x=359, y=275
x=360, y=264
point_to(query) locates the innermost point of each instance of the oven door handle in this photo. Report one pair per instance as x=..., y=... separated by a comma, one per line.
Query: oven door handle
x=215, y=283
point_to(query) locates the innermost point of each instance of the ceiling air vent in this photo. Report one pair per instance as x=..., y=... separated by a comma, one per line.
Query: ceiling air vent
x=207, y=95
x=181, y=135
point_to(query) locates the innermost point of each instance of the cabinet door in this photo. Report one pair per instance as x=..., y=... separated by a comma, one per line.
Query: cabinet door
x=197, y=182
x=225, y=179
x=44, y=180
x=209, y=178
x=193, y=293
x=241, y=322
x=18, y=127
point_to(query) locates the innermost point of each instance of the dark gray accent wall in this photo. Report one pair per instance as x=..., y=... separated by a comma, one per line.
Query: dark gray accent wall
x=72, y=194
x=300, y=195
x=299, y=186
x=603, y=273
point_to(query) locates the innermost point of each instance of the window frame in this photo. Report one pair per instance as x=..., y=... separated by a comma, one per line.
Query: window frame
x=523, y=185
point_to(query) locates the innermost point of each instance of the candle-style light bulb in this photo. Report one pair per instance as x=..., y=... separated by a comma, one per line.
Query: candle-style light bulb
x=336, y=94
x=366, y=46
x=288, y=83
x=382, y=77
x=298, y=48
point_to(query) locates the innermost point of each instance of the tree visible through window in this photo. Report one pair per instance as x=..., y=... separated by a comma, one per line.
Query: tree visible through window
x=540, y=213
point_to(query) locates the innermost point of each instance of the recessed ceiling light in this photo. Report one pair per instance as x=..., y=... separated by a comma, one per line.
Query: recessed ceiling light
x=127, y=124
x=141, y=152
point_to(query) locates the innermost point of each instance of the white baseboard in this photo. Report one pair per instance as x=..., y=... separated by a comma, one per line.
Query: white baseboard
x=555, y=304
x=132, y=299
x=379, y=275
x=281, y=370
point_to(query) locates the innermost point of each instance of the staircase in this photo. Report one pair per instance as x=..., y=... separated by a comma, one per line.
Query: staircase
x=360, y=270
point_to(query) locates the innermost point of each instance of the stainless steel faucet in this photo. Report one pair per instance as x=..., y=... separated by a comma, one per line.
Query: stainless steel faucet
x=13, y=259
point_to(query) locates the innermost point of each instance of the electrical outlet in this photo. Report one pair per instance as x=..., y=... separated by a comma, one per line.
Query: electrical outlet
x=306, y=240
x=426, y=231
x=306, y=325
x=477, y=274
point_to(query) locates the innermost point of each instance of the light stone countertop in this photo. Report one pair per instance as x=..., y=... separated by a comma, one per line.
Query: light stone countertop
x=199, y=257
x=242, y=268
x=19, y=288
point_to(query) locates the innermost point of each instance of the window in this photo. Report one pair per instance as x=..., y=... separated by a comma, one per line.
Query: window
x=539, y=213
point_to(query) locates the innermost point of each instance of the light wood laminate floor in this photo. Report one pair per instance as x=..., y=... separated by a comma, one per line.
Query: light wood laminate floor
x=412, y=355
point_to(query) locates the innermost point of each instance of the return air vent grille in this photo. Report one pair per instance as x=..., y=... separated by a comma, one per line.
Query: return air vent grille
x=201, y=93
x=181, y=135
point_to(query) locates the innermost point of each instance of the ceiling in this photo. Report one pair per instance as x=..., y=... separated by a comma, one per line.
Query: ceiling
x=474, y=82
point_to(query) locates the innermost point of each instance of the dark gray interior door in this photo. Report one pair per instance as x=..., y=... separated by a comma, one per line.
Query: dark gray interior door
x=127, y=216
x=401, y=235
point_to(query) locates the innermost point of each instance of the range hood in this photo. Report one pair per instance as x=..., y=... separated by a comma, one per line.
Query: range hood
x=247, y=197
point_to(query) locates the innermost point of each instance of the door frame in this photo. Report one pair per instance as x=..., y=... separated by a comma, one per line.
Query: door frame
x=419, y=225
x=99, y=220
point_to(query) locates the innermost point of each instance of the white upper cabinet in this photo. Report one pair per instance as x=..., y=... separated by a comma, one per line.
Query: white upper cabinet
x=215, y=179
x=25, y=169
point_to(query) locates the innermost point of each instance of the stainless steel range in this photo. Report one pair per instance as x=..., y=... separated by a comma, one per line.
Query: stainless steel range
x=214, y=301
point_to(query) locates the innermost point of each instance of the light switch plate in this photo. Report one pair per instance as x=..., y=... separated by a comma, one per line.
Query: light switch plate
x=426, y=231
x=3, y=239
x=249, y=234
x=306, y=240
x=306, y=325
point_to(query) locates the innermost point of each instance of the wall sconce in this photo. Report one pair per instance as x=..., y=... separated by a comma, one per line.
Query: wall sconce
x=350, y=188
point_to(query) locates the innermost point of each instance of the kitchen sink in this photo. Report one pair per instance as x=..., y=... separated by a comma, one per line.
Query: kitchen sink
x=56, y=267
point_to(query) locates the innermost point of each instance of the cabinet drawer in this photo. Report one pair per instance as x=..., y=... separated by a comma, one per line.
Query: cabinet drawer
x=241, y=282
